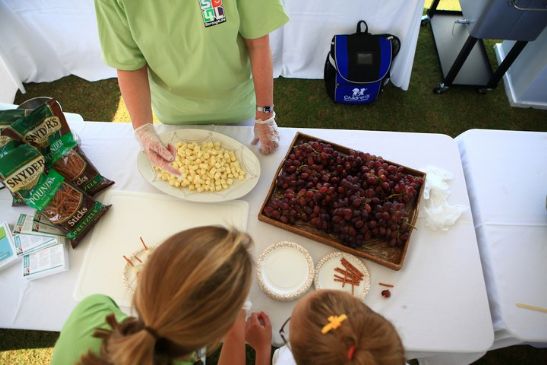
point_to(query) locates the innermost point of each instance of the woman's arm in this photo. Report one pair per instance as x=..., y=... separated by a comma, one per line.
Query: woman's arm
x=136, y=95
x=265, y=129
x=262, y=70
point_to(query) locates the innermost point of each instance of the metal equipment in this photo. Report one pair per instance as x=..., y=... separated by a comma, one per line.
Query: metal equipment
x=459, y=38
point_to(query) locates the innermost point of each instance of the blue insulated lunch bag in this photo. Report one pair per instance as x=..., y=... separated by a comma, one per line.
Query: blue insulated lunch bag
x=358, y=65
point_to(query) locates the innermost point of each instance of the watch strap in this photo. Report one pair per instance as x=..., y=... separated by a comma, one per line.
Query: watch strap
x=265, y=109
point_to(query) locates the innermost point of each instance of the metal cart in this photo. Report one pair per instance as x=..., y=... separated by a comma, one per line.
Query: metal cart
x=459, y=38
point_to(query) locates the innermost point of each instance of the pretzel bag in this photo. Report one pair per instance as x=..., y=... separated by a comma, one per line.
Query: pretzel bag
x=6, y=118
x=46, y=128
x=10, y=115
x=22, y=170
x=7, y=144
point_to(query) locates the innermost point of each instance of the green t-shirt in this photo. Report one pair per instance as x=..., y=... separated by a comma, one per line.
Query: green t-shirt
x=199, y=69
x=76, y=337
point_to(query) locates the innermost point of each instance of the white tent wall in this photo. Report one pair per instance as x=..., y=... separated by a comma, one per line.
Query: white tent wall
x=44, y=40
x=8, y=84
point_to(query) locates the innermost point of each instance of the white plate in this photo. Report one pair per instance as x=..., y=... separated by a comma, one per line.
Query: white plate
x=247, y=159
x=285, y=271
x=131, y=271
x=324, y=274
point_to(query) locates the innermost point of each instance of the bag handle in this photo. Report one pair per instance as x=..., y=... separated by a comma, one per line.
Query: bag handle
x=358, y=30
x=395, y=44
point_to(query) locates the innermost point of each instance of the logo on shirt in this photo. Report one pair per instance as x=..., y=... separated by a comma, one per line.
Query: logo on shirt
x=212, y=12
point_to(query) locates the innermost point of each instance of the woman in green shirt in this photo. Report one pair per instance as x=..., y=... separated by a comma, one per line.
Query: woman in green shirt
x=192, y=62
x=189, y=296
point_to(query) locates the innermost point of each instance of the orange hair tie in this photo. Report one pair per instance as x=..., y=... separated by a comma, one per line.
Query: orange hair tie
x=351, y=352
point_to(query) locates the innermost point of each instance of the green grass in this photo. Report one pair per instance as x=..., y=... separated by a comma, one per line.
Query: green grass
x=303, y=103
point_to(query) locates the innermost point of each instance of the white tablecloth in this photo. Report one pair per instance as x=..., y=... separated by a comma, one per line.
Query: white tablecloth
x=506, y=173
x=439, y=302
x=46, y=40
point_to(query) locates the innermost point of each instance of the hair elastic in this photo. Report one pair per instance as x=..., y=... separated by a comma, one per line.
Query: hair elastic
x=351, y=352
x=152, y=332
x=334, y=323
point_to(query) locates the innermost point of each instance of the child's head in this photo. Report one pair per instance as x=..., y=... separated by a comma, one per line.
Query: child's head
x=364, y=337
x=188, y=296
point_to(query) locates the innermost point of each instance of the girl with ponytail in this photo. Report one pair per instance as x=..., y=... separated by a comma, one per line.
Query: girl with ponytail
x=332, y=327
x=189, y=296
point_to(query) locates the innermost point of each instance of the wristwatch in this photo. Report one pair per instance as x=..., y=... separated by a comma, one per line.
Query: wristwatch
x=265, y=109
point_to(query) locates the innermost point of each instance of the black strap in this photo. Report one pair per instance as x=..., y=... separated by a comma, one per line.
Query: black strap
x=395, y=45
x=358, y=30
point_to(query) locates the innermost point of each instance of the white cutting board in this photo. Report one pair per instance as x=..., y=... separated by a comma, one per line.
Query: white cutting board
x=154, y=217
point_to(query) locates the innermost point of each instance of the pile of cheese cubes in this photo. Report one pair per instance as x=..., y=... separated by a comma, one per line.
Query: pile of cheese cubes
x=204, y=167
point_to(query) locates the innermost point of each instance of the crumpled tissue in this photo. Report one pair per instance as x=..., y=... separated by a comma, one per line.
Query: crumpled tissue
x=439, y=214
x=247, y=306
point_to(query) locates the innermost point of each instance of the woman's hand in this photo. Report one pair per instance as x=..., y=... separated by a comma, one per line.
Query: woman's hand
x=158, y=154
x=258, y=334
x=265, y=132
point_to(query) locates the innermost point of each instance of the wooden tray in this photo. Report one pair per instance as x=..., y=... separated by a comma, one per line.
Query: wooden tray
x=375, y=250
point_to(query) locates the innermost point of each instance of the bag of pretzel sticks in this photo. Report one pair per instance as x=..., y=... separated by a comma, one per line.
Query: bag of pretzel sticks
x=6, y=118
x=46, y=128
x=23, y=172
x=7, y=144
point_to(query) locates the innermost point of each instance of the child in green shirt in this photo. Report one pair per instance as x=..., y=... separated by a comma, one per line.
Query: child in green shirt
x=189, y=296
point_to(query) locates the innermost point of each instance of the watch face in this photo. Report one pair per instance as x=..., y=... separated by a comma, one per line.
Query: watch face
x=265, y=109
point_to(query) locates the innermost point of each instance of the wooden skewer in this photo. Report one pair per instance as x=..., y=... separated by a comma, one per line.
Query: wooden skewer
x=387, y=285
x=128, y=261
x=136, y=258
x=532, y=307
x=144, y=244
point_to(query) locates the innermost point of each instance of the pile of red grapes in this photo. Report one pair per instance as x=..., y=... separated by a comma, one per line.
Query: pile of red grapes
x=354, y=196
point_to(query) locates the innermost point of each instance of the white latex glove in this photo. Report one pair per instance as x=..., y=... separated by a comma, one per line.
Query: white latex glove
x=158, y=154
x=267, y=134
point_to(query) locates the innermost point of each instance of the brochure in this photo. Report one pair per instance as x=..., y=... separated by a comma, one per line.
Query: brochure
x=47, y=261
x=7, y=247
x=28, y=243
x=30, y=224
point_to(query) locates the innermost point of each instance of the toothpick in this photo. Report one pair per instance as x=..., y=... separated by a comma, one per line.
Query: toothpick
x=144, y=244
x=128, y=261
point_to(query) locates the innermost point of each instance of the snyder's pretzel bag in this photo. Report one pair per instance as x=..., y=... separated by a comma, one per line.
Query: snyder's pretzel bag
x=7, y=144
x=46, y=128
x=9, y=116
x=6, y=118
x=22, y=170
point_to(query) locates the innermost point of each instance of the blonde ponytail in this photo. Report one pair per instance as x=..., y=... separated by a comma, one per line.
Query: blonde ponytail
x=188, y=296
